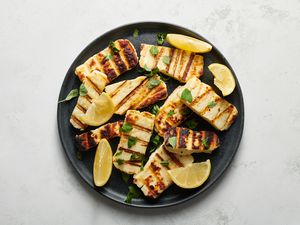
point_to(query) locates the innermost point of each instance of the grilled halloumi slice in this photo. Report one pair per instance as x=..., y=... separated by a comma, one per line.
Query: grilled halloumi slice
x=171, y=114
x=182, y=64
x=210, y=106
x=129, y=159
x=154, y=178
x=188, y=141
x=91, y=138
x=136, y=93
x=98, y=71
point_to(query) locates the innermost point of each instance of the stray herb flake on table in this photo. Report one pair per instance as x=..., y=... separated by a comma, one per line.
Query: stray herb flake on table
x=133, y=192
x=160, y=38
x=135, y=33
x=192, y=123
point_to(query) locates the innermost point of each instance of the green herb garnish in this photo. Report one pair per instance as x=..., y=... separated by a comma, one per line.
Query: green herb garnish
x=135, y=33
x=108, y=56
x=186, y=112
x=147, y=69
x=192, y=123
x=120, y=161
x=160, y=38
x=204, y=142
x=153, y=83
x=72, y=94
x=164, y=77
x=135, y=157
x=118, y=153
x=164, y=163
x=155, y=140
x=131, y=141
x=170, y=113
x=79, y=155
x=126, y=128
x=187, y=95
x=154, y=50
x=82, y=90
x=133, y=192
x=155, y=109
x=166, y=59
x=113, y=47
x=125, y=177
x=172, y=141
x=211, y=104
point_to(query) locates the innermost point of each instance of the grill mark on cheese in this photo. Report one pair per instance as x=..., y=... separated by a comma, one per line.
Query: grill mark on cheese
x=182, y=135
x=188, y=66
x=80, y=107
x=94, y=86
x=161, y=159
x=228, y=109
x=132, y=163
x=119, y=63
x=158, y=56
x=129, y=53
x=118, y=89
x=155, y=170
x=137, y=139
x=177, y=56
x=207, y=108
x=171, y=59
x=78, y=122
x=198, y=99
x=173, y=158
x=129, y=151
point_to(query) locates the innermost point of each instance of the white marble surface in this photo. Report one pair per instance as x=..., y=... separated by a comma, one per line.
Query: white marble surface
x=40, y=39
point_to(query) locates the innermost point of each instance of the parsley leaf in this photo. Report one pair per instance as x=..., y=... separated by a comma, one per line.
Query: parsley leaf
x=113, y=47
x=166, y=59
x=172, y=141
x=147, y=69
x=164, y=163
x=192, y=123
x=72, y=94
x=156, y=140
x=170, y=113
x=211, y=104
x=125, y=177
x=155, y=109
x=160, y=38
x=187, y=95
x=204, y=142
x=154, y=50
x=186, y=112
x=108, y=56
x=135, y=157
x=135, y=33
x=155, y=71
x=82, y=90
x=120, y=161
x=153, y=83
x=133, y=192
x=118, y=153
x=131, y=141
x=126, y=128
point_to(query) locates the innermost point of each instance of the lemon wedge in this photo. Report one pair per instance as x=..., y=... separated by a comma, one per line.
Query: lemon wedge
x=191, y=176
x=224, y=79
x=100, y=111
x=102, y=163
x=188, y=43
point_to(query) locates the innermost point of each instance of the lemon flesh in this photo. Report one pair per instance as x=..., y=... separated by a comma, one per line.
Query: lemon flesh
x=224, y=79
x=102, y=163
x=191, y=176
x=100, y=111
x=188, y=43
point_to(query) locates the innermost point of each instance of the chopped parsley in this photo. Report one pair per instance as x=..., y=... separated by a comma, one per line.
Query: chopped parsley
x=166, y=59
x=118, y=153
x=135, y=33
x=108, y=56
x=192, y=123
x=211, y=104
x=120, y=161
x=125, y=177
x=186, y=95
x=136, y=156
x=113, y=47
x=153, y=83
x=72, y=94
x=172, y=141
x=186, y=112
x=160, y=38
x=155, y=109
x=204, y=142
x=170, y=113
x=131, y=141
x=126, y=128
x=164, y=163
x=154, y=50
x=133, y=192
x=82, y=90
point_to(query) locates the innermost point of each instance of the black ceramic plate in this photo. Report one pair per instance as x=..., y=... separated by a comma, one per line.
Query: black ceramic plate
x=116, y=189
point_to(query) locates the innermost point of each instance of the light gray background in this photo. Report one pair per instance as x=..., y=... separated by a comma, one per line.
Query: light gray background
x=40, y=39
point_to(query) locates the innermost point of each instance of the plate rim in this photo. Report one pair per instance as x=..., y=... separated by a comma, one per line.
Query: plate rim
x=216, y=178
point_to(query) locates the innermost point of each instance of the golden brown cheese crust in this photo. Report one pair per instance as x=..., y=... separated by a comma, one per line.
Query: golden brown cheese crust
x=189, y=141
x=164, y=120
x=210, y=106
x=135, y=93
x=182, y=66
x=154, y=178
x=127, y=158
x=100, y=70
x=91, y=138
